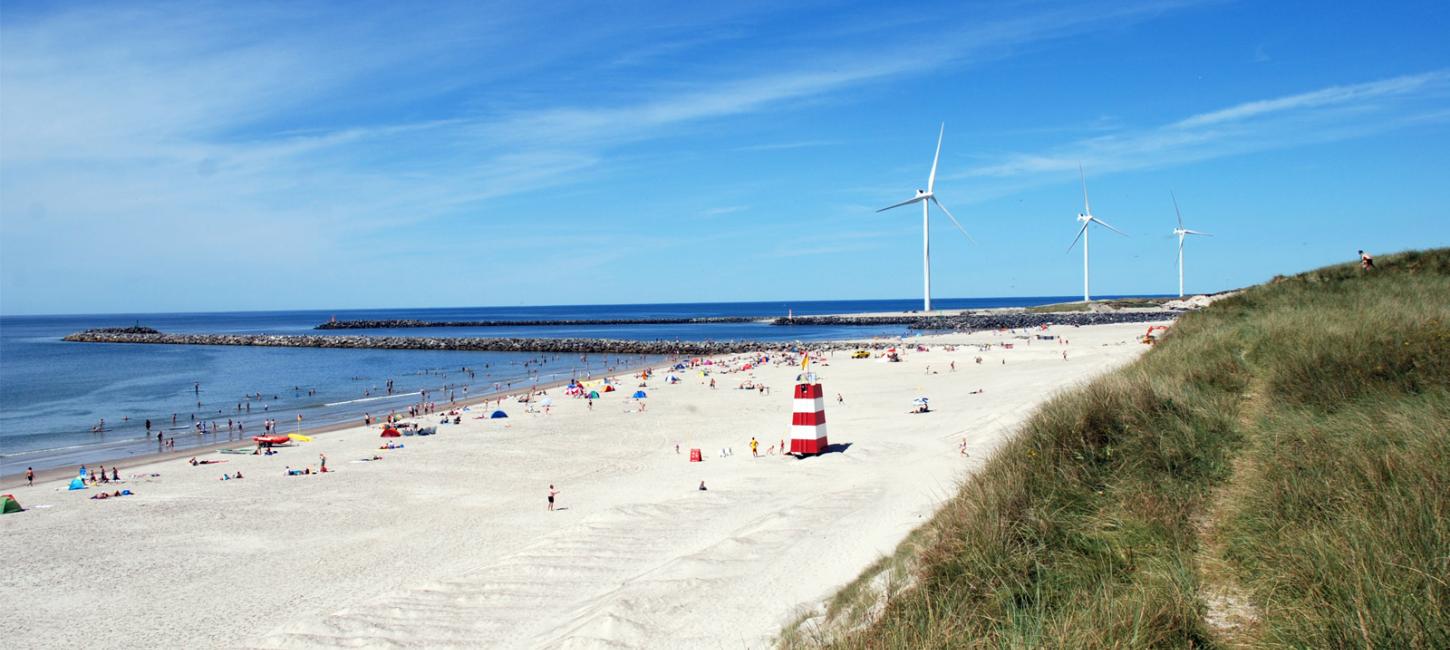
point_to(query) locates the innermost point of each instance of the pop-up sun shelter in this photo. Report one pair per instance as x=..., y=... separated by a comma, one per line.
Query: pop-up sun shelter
x=593, y=394
x=8, y=504
x=391, y=433
x=77, y=483
x=498, y=415
x=639, y=394
x=608, y=388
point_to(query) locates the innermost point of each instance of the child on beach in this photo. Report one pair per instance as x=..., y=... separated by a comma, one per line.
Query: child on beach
x=552, y=494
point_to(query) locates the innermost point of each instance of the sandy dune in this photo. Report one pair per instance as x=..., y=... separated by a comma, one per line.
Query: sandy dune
x=447, y=543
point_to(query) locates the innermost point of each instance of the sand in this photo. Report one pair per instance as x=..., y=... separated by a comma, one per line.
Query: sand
x=448, y=543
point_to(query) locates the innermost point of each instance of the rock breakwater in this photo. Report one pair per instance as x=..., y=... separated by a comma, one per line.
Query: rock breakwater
x=570, y=346
x=407, y=324
x=992, y=320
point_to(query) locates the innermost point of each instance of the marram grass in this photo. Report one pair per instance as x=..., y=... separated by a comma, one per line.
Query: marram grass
x=1304, y=422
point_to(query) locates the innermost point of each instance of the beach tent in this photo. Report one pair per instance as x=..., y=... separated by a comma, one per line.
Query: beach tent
x=77, y=484
x=8, y=504
x=498, y=415
x=391, y=433
x=593, y=394
x=639, y=394
x=609, y=388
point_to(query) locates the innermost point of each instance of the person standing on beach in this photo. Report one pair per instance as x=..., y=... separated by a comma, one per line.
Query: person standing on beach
x=552, y=494
x=30, y=476
x=754, y=447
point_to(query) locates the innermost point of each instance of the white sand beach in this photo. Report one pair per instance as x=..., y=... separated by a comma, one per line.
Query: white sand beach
x=448, y=543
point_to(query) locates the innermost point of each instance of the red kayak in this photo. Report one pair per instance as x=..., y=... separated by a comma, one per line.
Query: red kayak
x=271, y=440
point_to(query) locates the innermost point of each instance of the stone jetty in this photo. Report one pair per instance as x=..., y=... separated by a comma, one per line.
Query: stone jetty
x=406, y=324
x=971, y=321
x=987, y=320
x=569, y=346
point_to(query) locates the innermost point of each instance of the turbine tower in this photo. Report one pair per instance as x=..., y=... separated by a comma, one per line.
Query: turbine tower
x=1182, y=232
x=1087, y=219
x=924, y=197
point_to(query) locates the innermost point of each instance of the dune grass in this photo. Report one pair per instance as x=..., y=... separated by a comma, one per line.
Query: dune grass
x=1290, y=443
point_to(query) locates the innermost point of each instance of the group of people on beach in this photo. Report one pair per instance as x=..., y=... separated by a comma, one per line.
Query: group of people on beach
x=98, y=476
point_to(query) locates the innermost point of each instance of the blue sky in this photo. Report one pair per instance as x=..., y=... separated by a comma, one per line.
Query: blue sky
x=194, y=157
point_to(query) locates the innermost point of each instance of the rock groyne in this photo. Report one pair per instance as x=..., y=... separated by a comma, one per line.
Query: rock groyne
x=977, y=321
x=408, y=324
x=569, y=346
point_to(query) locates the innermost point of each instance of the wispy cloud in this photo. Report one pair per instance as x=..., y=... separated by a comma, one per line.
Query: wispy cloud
x=722, y=211
x=1325, y=115
x=784, y=146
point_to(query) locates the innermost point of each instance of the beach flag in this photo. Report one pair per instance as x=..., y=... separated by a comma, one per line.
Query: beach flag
x=805, y=362
x=808, y=420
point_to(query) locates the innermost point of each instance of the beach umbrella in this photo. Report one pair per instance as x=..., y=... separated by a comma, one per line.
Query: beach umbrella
x=639, y=394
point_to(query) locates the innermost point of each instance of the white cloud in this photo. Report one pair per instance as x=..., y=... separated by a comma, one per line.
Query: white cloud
x=1326, y=115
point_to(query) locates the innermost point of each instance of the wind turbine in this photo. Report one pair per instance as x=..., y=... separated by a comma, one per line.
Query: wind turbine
x=1087, y=219
x=1182, y=232
x=924, y=197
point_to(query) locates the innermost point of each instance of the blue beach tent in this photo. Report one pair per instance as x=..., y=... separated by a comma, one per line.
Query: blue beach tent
x=639, y=394
x=498, y=415
x=77, y=484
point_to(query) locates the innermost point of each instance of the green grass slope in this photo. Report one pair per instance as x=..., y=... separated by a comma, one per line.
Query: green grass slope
x=1276, y=472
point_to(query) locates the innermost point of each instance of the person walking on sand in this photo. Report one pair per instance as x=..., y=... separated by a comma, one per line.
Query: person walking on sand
x=30, y=476
x=754, y=447
x=552, y=494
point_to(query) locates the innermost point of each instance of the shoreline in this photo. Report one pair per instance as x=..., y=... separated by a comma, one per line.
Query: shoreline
x=8, y=481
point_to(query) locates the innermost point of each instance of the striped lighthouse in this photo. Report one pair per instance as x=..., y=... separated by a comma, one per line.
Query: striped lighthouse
x=808, y=419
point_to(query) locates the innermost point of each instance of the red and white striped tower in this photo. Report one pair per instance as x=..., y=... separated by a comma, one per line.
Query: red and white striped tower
x=808, y=420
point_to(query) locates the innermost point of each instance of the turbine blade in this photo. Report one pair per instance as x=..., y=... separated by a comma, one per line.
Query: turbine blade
x=1086, y=209
x=897, y=205
x=931, y=180
x=1080, y=231
x=1175, y=209
x=1105, y=225
x=956, y=223
x=1195, y=232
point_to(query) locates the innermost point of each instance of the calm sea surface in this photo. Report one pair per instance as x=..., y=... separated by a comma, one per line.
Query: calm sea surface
x=53, y=393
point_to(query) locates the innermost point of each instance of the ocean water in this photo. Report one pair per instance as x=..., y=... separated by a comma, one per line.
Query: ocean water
x=53, y=393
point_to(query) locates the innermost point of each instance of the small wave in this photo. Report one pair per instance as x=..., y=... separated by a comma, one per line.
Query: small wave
x=372, y=399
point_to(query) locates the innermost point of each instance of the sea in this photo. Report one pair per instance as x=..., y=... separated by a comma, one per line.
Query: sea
x=64, y=404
